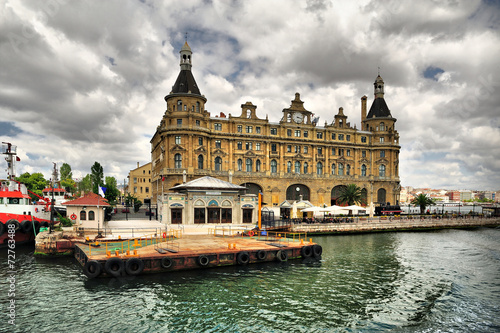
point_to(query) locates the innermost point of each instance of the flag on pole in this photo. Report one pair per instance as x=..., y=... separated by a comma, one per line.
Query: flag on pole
x=102, y=190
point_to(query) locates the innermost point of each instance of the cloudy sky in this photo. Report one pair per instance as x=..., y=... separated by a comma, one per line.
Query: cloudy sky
x=84, y=81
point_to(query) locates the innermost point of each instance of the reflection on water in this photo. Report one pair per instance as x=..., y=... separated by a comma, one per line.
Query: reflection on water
x=447, y=280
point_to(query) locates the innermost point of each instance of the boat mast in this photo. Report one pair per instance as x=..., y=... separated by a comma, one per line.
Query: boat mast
x=10, y=151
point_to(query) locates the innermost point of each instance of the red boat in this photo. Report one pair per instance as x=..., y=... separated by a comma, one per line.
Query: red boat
x=20, y=220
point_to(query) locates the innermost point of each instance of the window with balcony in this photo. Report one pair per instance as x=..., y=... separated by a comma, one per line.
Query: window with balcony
x=319, y=168
x=274, y=166
x=297, y=167
x=218, y=164
x=178, y=161
x=341, y=169
x=381, y=170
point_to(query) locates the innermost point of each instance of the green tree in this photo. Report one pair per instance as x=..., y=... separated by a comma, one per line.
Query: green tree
x=132, y=200
x=34, y=182
x=85, y=185
x=112, y=191
x=423, y=201
x=97, y=176
x=351, y=195
x=66, y=172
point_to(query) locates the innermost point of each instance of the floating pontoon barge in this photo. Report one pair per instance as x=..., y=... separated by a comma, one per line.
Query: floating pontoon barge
x=173, y=252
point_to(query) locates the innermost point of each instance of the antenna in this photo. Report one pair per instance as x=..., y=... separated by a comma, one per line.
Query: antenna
x=186, y=38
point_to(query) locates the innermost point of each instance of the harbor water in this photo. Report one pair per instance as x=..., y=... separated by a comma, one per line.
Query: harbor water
x=439, y=281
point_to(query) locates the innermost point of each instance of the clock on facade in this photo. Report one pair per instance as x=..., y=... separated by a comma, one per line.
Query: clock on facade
x=298, y=117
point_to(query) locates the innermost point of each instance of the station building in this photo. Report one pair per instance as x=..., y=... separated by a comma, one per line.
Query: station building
x=287, y=161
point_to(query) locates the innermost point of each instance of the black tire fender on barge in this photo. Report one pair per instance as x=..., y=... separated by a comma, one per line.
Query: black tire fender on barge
x=203, y=260
x=243, y=258
x=317, y=250
x=167, y=262
x=92, y=268
x=26, y=226
x=282, y=255
x=306, y=251
x=134, y=266
x=261, y=255
x=114, y=267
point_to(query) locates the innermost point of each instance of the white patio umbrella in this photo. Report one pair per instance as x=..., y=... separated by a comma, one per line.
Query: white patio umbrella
x=334, y=210
x=355, y=209
x=313, y=209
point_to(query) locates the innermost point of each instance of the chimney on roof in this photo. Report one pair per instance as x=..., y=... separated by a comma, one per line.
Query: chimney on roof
x=137, y=164
x=184, y=177
x=363, y=110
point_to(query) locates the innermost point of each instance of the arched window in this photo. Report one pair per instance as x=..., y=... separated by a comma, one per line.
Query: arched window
x=240, y=164
x=248, y=164
x=319, y=168
x=363, y=170
x=333, y=168
x=257, y=166
x=274, y=166
x=381, y=170
x=288, y=167
x=348, y=169
x=341, y=169
x=179, y=105
x=91, y=215
x=200, y=162
x=218, y=164
x=382, y=126
x=306, y=168
x=83, y=215
x=297, y=167
x=178, y=161
x=249, y=113
x=197, y=106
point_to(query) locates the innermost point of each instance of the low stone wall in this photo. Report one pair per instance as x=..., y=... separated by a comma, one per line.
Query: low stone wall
x=395, y=224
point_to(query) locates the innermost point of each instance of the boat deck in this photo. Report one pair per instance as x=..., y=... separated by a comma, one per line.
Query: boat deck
x=152, y=255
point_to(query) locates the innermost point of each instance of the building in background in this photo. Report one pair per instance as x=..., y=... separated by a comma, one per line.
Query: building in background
x=139, y=182
x=293, y=159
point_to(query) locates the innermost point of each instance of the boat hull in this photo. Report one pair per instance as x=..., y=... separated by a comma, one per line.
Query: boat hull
x=24, y=226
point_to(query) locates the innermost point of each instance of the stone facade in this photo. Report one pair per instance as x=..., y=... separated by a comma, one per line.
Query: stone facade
x=139, y=181
x=284, y=160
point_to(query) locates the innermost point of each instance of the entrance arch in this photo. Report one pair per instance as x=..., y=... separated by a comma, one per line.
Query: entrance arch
x=293, y=192
x=336, y=191
x=252, y=188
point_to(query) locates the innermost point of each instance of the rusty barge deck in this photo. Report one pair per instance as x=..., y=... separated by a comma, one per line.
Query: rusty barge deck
x=158, y=254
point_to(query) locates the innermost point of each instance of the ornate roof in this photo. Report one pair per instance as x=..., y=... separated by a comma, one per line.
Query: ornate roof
x=208, y=183
x=379, y=109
